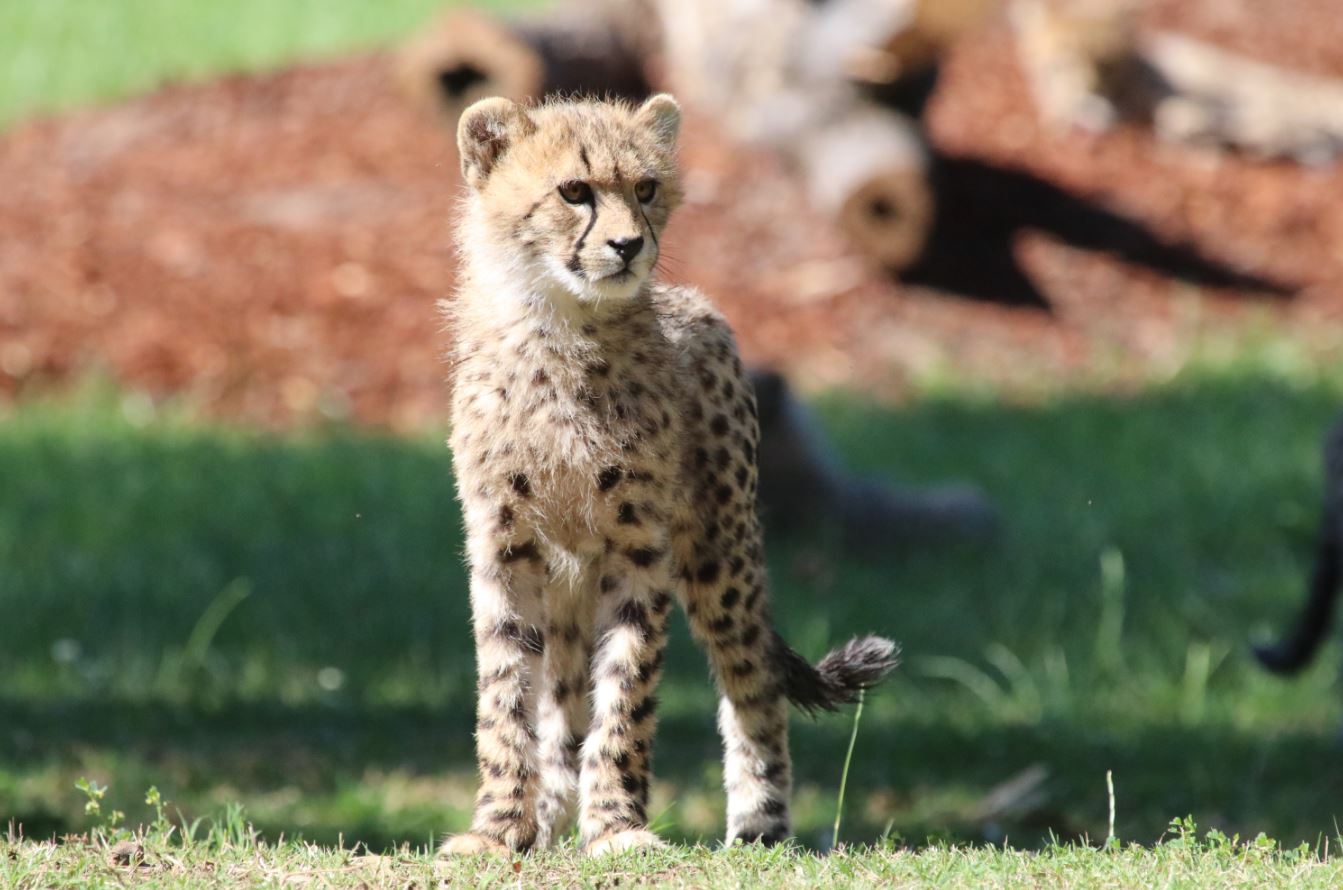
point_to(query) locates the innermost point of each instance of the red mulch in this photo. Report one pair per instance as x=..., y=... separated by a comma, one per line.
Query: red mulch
x=273, y=245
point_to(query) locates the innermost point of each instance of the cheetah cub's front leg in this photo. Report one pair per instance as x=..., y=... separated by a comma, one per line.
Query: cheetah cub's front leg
x=507, y=578
x=634, y=599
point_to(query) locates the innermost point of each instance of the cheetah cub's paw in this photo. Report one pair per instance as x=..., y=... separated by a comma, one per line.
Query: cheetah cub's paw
x=630, y=839
x=471, y=844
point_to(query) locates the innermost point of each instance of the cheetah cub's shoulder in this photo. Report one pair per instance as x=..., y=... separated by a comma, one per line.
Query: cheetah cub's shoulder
x=604, y=443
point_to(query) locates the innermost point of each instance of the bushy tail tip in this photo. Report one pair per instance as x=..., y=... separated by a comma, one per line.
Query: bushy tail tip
x=838, y=677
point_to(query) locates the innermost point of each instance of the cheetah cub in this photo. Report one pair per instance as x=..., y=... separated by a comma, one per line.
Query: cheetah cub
x=604, y=445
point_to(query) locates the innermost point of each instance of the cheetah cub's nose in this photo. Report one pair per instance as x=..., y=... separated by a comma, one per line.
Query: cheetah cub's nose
x=627, y=248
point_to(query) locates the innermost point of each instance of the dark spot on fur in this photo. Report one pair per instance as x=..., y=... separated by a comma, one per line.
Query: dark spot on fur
x=506, y=516
x=633, y=614
x=648, y=668
x=661, y=602
x=730, y=598
x=644, y=709
x=707, y=573
x=514, y=552
x=625, y=515
x=609, y=478
x=521, y=484
x=643, y=556
x=719, y=425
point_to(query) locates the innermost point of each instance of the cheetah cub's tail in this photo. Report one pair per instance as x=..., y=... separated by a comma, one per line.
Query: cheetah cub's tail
x=840, y=676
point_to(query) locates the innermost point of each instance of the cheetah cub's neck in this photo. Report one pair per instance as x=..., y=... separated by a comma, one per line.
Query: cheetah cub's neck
x=565, y=212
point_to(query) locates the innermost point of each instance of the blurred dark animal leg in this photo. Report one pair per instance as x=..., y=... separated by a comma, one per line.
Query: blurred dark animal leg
x=1295, y=653
x=802, y=485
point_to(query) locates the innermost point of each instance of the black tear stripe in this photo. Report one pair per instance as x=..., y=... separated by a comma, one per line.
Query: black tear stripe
x=651, y=231
x=576, y=265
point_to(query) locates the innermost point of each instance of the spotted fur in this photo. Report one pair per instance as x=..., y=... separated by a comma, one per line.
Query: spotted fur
x=604, y=442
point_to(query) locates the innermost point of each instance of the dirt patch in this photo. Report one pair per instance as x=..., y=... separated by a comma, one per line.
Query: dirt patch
x=274, y=245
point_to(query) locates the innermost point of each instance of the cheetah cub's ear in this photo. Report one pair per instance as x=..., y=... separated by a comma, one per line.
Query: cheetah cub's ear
x=662, y=115
x=485, y=131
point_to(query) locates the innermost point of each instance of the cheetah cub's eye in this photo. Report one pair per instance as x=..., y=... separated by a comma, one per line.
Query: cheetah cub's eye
x=645, y=190
x=576, y=192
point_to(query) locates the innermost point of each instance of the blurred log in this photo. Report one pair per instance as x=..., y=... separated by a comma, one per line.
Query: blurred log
x=919, y=44
x=779, y=73
x=1080, y=61
x=465, y=56
x=740, y=60
x=1090, y=67
x=868, y=168
x=1215, y=97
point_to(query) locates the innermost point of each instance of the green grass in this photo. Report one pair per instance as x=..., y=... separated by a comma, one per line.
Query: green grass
x=226, y=853
x=59, y=53
x=282, y=621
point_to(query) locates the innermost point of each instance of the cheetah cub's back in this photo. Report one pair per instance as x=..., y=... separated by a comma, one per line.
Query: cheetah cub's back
x=604, y=444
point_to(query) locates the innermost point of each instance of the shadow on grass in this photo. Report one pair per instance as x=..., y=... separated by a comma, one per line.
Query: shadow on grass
x=301, y=766
x=282, y=621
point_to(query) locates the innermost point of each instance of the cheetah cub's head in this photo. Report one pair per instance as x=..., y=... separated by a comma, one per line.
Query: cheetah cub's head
x=569, y=197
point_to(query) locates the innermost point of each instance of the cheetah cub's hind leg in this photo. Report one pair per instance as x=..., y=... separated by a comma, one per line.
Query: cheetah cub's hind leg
x=723, y=587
